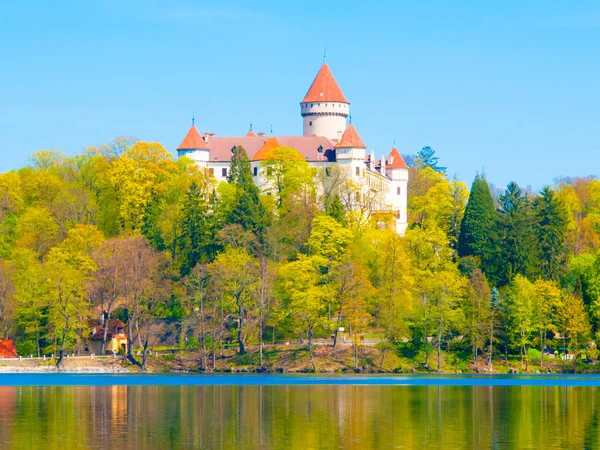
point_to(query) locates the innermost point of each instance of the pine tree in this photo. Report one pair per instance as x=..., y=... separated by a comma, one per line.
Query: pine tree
x=426, y=158
x=516, y=234
x=478, y=224
x=248, y=211
x=550, y=230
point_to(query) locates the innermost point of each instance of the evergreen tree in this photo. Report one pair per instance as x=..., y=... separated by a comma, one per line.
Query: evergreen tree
x=478, y=224
x=198, y=240
x=336, y=210
x=516, y=234
x=426, y=158
x=248, y=210
x=550, y=230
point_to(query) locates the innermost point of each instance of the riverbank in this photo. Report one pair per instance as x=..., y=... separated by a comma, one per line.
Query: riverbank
x=296, y=359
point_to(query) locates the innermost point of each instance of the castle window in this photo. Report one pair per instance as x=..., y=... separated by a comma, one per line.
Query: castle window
x=398, y=190
x=327, y=171
x=320, y=149
x=358, y=171
x=224, y=171
x=211, y=171
x=310, y=123
x=312, y=104
x=256, y=172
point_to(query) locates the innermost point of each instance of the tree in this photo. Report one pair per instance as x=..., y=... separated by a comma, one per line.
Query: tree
x=516, y=233
x=247, y=211
x=68, y=308
x=478, y=225
x=235, y=273
x=550, y=233
x=575, y=325
x=32, y=289
x=426, y=158
x=522, y=315
x=37, y=229
x=477, y=310
x=336, y=210
x=547, y=302
x=7, y=299
x=301, y=284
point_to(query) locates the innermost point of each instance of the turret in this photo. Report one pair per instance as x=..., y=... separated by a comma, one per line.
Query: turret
x=397, y=170
x=194, y=147
x=324, y=107
x=350, y=150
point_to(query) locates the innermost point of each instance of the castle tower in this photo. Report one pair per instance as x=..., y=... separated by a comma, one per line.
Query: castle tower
x=324, y=107
x=350, y=152
x=397, y=170
x=194, y=147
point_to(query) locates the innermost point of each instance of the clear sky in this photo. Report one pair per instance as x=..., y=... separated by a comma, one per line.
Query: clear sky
x=510, y=87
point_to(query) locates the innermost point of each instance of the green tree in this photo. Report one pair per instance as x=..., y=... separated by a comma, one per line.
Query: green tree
x=426, y=158
x=478, y=225
x=550, y=233
x=516, y=234
x=247, y=211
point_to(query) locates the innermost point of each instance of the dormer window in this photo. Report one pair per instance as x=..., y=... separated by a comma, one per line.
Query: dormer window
x=320, y=149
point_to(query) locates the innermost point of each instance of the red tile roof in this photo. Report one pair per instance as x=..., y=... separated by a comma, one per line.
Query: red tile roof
x=192, y=140
x=115, y=327
x=8, y=349
x=308, y=146
x=395, y=161
x=350, y=139
x=262, y=152
x=324, y=88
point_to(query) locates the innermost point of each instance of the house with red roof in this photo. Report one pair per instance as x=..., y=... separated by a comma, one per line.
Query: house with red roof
x=329, y=140
x=8, y=349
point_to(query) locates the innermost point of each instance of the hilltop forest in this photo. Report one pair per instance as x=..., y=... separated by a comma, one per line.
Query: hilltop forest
x=124, y=229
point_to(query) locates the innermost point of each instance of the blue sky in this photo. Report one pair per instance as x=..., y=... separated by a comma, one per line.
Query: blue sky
x=511, y=88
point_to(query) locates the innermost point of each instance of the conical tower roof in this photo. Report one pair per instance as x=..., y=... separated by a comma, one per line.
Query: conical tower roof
x=395, y=160
x=192, y=140
x=324, y=88
x=350, y=139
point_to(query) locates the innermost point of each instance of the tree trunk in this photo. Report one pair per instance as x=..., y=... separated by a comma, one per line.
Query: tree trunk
x=541, y=349
x=240, y=329
x=145, y=355
x=335, y=333
x=130, y=322
x=105, y=324
x=37, y=341
x=491, y=345
x=261, y=338
x=310, y=350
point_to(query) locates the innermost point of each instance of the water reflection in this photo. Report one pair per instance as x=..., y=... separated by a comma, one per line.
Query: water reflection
x=298, y=417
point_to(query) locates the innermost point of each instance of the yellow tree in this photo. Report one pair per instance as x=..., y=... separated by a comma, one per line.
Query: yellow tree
x=575, y=325
x=548, y=302
x=38, y=230
x=236, y=273
x=31, y=293
x=300, y=283
x=137, y=175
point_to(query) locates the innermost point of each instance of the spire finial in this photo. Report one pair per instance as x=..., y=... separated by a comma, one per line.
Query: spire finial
x=193, y=119
x=250, y=126
x=271, y=130
x=394, y=142
x=324, y=56
x=350, y=117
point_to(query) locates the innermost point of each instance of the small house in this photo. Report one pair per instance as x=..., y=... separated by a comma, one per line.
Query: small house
x=116, y=338
x=8, y=349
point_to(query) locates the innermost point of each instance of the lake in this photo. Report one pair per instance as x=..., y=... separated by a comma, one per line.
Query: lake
x=298, y=412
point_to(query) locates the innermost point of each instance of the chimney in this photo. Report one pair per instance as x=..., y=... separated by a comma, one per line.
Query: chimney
x=208, y=135
x=339, y=135
x=372, y=160
x=260, y=133
x=382, y=170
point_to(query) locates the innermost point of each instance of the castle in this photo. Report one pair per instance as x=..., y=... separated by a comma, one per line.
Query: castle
x=366, y=185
